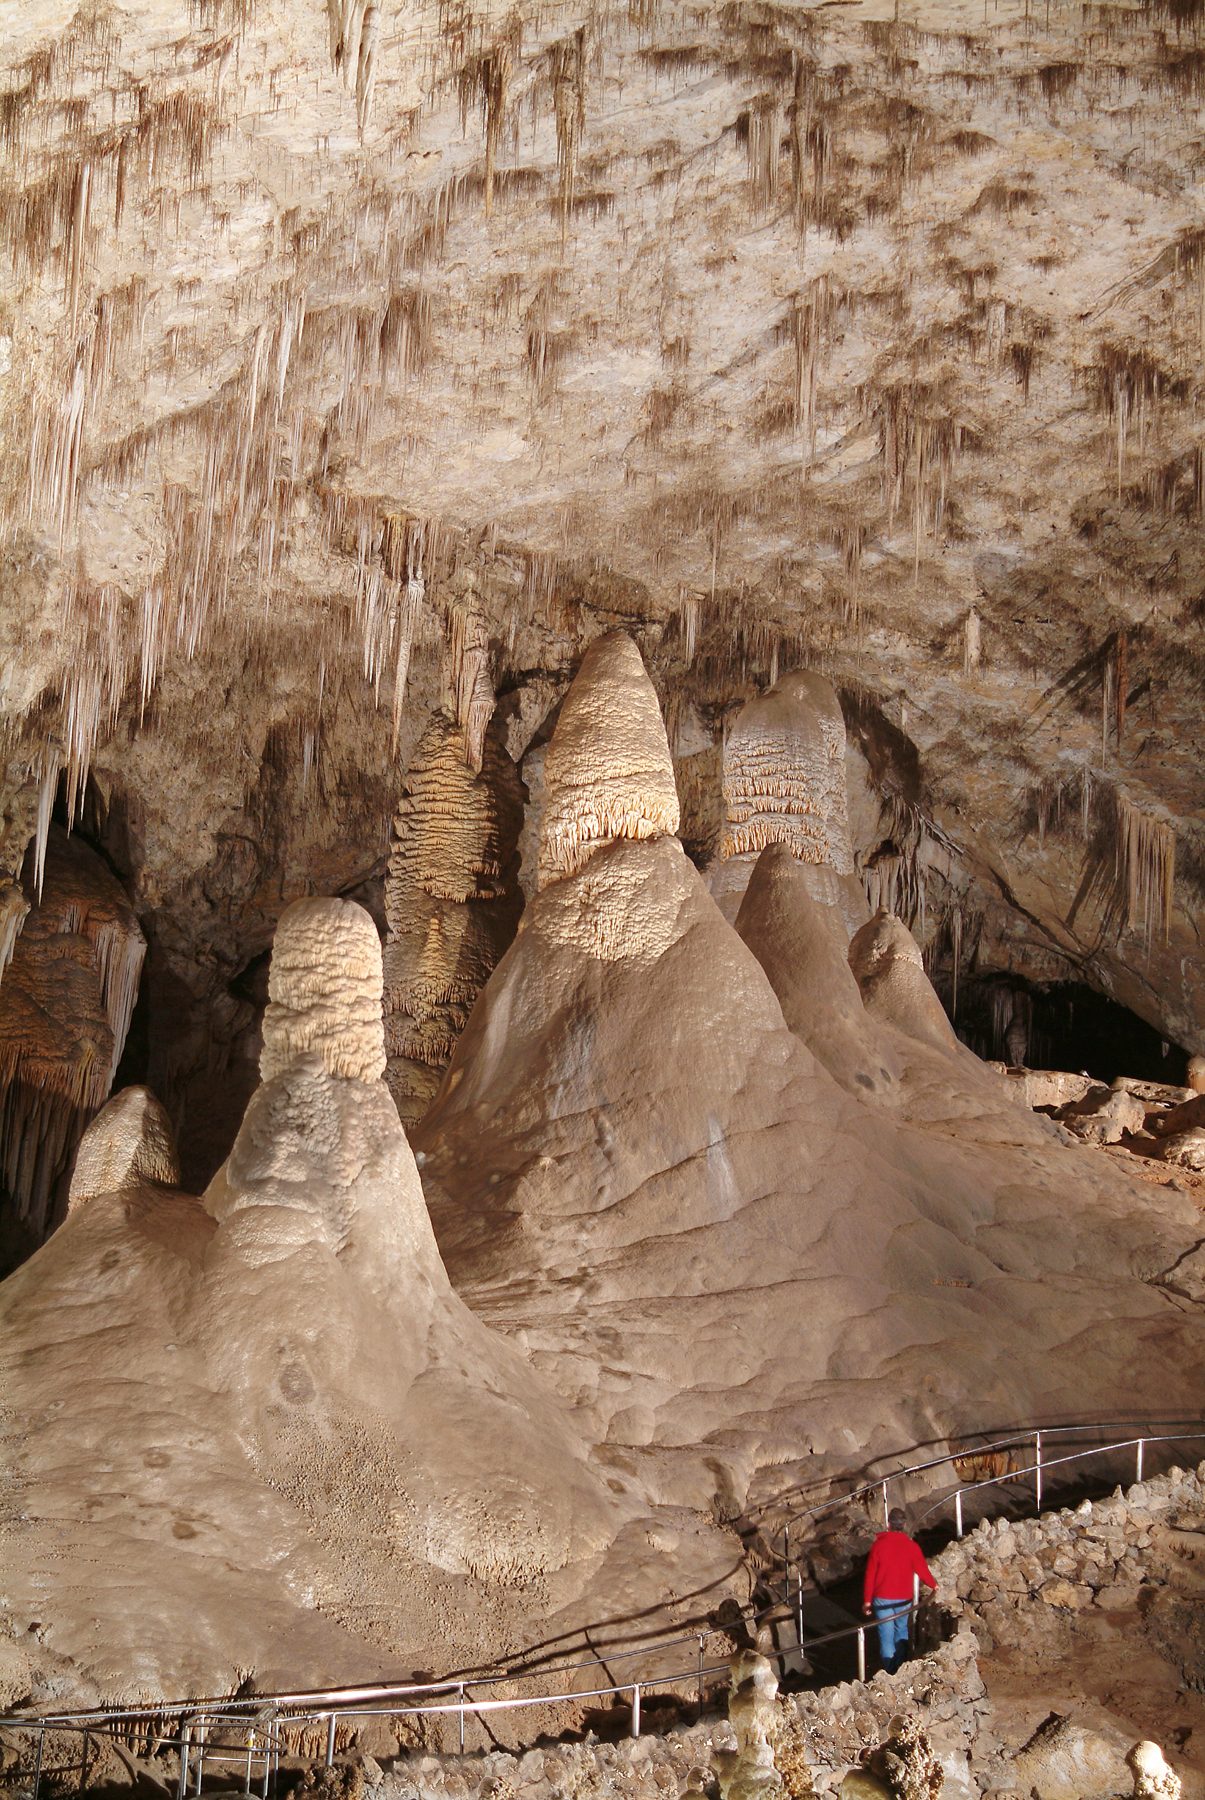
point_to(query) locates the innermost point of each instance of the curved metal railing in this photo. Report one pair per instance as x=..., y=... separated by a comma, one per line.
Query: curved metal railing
x=263, y=1721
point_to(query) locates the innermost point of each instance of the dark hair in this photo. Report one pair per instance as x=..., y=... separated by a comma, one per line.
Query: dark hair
x=897, y=1519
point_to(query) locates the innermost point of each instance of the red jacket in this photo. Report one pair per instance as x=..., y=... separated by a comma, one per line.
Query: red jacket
x=894, y=1559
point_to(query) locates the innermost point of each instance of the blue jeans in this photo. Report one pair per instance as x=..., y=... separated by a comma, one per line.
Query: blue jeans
x=893, y=1632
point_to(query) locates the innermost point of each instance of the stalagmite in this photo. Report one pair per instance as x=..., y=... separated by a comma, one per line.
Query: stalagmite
x=608, y=769
x=324, y=991
x=129, y=1142
x=889, y=969
x=802, y=947
x=784, y=783
x=65, y=1006
x=1153, y=1779
x=452, y=900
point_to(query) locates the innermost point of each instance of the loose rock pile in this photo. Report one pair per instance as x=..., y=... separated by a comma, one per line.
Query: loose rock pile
x=1007, y=1573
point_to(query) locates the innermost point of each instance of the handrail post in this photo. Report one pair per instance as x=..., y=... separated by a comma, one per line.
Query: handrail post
x=958, y=1512
x=636, y=1710
x=185, y=1734
x=83, y=1770
x=886, y=1513
x=37, y=1773
x=861, y=1653
x=330, y=1740
x=1138, y=1474
x=460, y=1691
x=700, y=1676
x=267, y=1758
x=799, y=1604
x=200, y=1751
x=1037, y=1456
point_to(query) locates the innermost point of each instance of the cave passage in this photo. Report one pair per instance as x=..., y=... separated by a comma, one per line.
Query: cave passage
x=1067, y=1025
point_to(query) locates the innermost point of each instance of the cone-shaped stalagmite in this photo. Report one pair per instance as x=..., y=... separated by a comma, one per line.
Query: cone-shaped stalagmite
x=890, y=971
x=608, y=769
x=452, y=900
x=129, y=1142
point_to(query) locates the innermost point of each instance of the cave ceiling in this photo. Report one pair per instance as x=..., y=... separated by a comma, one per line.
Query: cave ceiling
x=352, y=358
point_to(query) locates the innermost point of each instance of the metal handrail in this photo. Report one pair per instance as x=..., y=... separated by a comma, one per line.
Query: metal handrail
x=222, y=1715
x=1026, y=1435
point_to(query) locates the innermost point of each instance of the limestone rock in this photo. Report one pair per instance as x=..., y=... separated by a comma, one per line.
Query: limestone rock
x=452, y=900
x=1103, y=1115
x=1068, y=1595
x=1195, y=1075
x=129, y=1142
x=905, y=1761
x=325, y=991
x=608, y=771
x=1186, y=1115
x=1185, y=1148
x=14, y=1674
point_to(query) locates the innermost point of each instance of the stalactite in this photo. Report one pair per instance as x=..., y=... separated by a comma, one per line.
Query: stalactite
x=811, y=311
x=486, y=80
x=569, y=109
x=972, y=643
x=1107, y=702
x=1146, y=858
x=1120, y=659
x=761, y=149
x=14, y=908
x=51, y=763
x=366, y=64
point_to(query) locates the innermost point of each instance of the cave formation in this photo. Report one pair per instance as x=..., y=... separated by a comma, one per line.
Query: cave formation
x=819, y=388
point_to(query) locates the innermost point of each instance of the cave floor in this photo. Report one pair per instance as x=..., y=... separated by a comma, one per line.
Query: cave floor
x=1109, y=1676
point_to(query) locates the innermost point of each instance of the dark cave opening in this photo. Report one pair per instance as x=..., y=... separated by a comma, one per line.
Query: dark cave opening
x=1061, y=1025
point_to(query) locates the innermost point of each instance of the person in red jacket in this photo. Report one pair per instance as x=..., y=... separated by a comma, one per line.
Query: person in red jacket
x=887, y=1590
